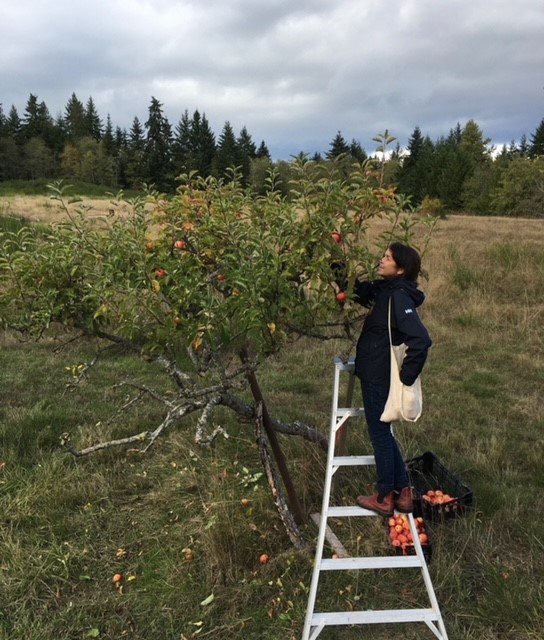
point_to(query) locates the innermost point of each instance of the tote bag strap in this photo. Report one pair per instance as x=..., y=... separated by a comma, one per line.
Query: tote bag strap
x=389, y=322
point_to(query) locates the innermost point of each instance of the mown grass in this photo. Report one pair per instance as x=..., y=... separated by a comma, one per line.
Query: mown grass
x=67, y=525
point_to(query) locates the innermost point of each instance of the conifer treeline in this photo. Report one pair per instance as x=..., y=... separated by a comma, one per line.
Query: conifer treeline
x=460, y=170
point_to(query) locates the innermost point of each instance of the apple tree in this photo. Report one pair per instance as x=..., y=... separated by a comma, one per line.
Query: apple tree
x=221, y=275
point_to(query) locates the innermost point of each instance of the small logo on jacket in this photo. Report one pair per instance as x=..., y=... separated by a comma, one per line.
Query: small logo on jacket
x=408, y=311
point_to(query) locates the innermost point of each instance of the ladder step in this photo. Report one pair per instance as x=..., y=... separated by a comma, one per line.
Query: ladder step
x=349, y=411
x=346, y=512
x=353, y=461
x=374, y=562
x=374, y=617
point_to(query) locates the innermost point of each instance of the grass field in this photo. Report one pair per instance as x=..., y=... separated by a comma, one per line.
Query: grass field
x=172, y=522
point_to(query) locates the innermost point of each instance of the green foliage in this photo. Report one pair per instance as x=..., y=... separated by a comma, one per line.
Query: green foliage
x=431, y=207
x=521, y=188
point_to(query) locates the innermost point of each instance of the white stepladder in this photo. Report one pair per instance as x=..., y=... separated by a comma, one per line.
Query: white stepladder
x=315, y=622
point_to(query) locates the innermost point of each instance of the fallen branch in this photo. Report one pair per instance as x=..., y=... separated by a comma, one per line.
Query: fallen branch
x=175, y=414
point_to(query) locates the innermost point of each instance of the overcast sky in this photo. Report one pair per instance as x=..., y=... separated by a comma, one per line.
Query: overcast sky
x=294, y=72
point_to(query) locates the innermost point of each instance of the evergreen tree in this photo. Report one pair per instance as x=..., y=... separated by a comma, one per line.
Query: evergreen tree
x=3, y=126
x=203, y=146
x=357, y=152
x=59, y=134
x=120, y=139
x=510, y=151
x=227, y=155
x=107, y=142
x=14, y=124
x=411, y=176
x=523, y=146
x=456, y=135
x=158, y=153
x=181, y=145
x=38, y=123
x=74, y=119
x=247, y=152
x=246, y=144
x=11, y=165
x=93, y=123
x=474, y=145
x=135, y=170
x=49, y=133
x=120, y=143
x=450, y=169
x=262, y=151
x=337, y=147
x=31, y=127
x=536, y=147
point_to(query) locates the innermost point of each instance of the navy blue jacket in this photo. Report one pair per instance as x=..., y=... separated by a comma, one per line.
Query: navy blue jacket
x=372, y=361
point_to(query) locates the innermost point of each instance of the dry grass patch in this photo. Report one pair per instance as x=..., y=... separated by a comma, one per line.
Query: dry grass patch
x=47, y=211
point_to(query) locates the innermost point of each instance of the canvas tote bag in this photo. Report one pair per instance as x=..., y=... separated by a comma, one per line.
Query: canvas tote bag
x=403, y=402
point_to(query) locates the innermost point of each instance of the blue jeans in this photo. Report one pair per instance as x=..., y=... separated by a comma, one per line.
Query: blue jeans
x=390, y=468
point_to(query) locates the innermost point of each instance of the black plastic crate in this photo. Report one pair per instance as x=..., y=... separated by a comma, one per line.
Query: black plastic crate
x=408, y=548
x=427, y=473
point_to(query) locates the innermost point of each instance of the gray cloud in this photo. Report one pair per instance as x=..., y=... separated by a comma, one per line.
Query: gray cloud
x=293, y=73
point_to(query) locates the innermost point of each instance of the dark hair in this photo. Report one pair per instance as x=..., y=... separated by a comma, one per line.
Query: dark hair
x=407, y=259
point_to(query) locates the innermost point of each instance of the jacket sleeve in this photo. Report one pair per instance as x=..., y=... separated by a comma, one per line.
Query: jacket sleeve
x=414, y=334
x=365, y=292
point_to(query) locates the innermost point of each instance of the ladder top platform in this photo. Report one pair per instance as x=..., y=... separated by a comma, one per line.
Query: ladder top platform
x=342, y=365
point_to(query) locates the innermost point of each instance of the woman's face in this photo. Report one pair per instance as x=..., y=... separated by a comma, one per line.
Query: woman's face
x=387, y=267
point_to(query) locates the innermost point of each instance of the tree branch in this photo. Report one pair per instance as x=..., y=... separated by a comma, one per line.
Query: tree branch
x=296, y=428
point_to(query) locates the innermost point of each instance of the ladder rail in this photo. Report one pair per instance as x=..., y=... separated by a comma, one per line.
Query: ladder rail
x=324, y=507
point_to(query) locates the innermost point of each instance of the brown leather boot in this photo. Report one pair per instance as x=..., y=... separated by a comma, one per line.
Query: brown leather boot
x=382, y=506
x=403, y=501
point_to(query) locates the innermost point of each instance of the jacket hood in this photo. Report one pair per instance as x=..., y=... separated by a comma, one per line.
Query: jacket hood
x=409, y=287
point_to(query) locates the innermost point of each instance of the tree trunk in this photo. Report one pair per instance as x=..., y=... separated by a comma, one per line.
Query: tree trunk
x=273, y=440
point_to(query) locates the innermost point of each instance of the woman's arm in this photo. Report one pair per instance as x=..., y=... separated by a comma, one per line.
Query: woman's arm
x=365, y=292
x=414, y=334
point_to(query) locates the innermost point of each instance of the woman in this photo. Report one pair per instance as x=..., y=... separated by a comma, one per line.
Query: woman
x=399, y=269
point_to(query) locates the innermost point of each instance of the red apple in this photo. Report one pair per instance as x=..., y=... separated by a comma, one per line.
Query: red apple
x=341, y=296
x=337, y=237
x=180, y=244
